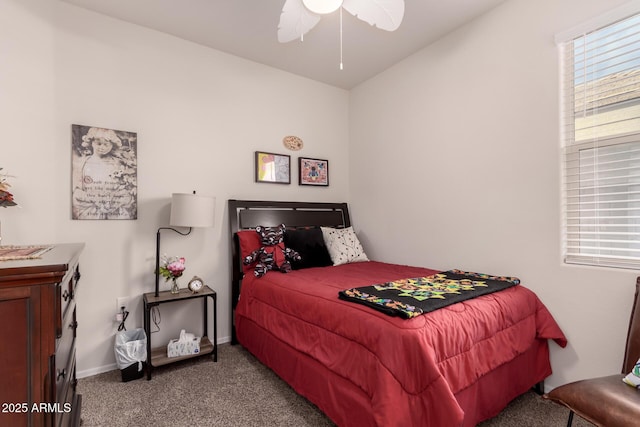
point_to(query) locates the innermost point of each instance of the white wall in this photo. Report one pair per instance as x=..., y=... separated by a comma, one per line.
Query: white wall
x=462, y=141
x=199, y=114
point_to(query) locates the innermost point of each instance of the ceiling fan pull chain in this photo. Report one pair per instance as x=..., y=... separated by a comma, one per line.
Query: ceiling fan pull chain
x=341, y=66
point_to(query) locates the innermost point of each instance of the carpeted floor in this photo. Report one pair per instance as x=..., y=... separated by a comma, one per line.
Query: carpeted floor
x=240, y=391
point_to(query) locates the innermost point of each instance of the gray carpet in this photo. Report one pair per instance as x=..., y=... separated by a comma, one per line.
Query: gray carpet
x=239, y=391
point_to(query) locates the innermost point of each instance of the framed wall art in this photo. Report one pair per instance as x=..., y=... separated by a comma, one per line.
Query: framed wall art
x=104, y=172
x=313, y=171
x=272, y=167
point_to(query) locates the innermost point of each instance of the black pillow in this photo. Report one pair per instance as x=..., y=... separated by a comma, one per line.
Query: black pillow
x=309, y=243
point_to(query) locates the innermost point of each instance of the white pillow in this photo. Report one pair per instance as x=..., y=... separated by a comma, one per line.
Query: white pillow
x=343, y=245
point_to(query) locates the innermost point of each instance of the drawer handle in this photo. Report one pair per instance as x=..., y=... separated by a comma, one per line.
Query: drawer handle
x=66, y=295
x=73, y=325
x=76, y=275
x=61, y=374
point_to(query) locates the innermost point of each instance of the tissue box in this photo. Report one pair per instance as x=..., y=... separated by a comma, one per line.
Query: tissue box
x=186, y=345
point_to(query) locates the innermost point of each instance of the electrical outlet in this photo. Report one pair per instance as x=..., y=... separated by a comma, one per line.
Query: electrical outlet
x=122, y=302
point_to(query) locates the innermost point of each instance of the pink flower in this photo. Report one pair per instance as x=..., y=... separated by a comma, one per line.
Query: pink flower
x=176, y=268
x=172, y=267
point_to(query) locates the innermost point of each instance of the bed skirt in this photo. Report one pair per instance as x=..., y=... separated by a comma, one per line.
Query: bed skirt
x=347, y=405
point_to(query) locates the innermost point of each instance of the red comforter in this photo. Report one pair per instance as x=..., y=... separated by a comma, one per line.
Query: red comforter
x=411, y=370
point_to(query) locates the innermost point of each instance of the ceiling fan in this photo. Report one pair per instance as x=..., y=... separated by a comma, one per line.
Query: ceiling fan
x=300, y=16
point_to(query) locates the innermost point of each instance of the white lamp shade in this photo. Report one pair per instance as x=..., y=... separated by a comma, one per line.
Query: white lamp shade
x=322, y=7
x=192, y=210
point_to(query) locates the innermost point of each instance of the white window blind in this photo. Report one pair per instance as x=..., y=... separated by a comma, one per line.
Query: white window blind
x=601, y=145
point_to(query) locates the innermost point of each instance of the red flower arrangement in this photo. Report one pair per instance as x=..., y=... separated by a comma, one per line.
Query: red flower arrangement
x=171, y=268
x=6, y=198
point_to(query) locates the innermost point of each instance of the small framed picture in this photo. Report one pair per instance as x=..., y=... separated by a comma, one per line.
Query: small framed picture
x=272, y=167
x=313, y=171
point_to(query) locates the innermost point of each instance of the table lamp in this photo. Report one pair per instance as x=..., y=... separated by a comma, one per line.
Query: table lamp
x=187, y=210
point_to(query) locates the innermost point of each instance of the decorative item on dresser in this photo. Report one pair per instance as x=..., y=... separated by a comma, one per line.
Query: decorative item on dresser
x=6, y=198
x=38, y=333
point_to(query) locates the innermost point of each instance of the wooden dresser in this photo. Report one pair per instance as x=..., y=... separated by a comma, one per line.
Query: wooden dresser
x=37, y=339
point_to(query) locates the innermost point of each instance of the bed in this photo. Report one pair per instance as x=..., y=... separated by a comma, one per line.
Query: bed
x=455, y=366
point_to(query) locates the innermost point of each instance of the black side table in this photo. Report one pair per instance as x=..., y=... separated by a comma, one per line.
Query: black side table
x=158, y=356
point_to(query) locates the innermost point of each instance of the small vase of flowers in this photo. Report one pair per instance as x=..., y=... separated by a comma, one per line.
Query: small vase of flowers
x=172, y=268
x=6, y=198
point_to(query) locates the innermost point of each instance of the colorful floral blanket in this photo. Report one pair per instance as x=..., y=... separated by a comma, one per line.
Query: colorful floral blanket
x=409, y=298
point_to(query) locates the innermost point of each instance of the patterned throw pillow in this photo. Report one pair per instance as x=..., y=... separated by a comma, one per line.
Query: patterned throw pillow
x=343, y=245
x=633, y=379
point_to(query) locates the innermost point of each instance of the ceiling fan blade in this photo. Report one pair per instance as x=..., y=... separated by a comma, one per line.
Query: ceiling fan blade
x=384, y=14
x=295, y=20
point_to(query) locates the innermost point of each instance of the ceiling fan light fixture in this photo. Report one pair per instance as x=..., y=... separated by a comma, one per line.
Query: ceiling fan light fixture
x=322, y=7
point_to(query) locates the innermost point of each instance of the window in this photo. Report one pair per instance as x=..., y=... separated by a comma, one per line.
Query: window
x=601, y=144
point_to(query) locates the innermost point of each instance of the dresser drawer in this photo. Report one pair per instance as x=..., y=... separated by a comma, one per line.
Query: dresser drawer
x=68, y=406
x=65, y=295
x=65, y=355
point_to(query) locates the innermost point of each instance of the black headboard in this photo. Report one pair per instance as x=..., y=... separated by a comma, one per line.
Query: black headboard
x=247, y=214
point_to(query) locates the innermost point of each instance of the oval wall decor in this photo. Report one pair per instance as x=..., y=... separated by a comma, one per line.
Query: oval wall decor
x=292, y=142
